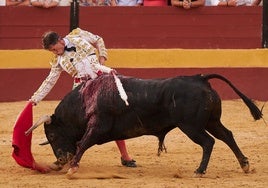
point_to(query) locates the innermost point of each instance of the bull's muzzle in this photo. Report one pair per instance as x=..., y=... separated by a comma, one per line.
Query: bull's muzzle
x=61, y=161
x=63, y=158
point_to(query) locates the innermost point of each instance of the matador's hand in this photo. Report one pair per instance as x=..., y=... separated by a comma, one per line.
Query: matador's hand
x=33, y=102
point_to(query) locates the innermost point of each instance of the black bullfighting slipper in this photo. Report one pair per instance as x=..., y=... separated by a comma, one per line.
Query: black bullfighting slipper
x=131, y=163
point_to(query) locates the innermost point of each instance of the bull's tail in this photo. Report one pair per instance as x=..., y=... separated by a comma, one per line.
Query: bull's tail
x=254, y=110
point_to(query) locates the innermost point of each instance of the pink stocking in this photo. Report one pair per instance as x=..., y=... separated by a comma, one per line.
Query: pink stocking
x=123, y=150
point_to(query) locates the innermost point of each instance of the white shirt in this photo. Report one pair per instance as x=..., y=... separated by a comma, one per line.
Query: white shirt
x=239, y=2
x=128, y=2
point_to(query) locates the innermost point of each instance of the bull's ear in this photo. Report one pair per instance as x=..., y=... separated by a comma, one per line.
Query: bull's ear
x=44, y=143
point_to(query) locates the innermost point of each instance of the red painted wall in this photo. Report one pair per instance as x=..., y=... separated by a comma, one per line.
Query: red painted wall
x=138, y=27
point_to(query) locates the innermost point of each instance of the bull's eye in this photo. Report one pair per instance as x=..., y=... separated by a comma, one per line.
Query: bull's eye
x=51, y=136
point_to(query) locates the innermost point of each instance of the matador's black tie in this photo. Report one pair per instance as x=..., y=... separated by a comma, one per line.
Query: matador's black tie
x=70, y=49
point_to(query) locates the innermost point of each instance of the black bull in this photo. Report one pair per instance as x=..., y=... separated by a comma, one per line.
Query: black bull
x=94, y=113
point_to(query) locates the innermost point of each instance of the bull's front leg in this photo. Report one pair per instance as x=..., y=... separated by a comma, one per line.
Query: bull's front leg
x=74, y=164
x=82, y=146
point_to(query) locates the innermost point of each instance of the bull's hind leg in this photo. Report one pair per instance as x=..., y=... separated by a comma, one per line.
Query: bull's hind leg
x=217, y=129
x=201, y=137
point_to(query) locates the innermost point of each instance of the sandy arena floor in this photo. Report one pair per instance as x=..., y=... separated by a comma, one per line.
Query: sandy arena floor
x=100, y=165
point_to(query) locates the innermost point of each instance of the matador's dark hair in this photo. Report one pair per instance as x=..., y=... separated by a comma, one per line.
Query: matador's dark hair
x=50, y=38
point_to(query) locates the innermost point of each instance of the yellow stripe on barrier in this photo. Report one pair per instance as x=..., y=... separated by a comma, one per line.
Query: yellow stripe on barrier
x=171, y=58
x=148, y=58
x=25, y=59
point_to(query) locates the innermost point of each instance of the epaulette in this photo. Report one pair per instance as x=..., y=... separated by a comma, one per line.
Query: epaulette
x=75, y=31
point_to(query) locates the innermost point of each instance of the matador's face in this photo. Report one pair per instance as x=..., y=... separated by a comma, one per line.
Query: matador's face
x=57, y=48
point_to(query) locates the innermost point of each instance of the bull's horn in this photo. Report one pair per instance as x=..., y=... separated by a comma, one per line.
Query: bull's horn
x=44, y=143
x=42, y=120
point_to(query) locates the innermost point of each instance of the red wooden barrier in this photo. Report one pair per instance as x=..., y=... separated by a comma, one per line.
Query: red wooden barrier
x=138, y=27
x=20, y=84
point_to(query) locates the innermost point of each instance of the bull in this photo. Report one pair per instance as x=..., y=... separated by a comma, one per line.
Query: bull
x=94, y=113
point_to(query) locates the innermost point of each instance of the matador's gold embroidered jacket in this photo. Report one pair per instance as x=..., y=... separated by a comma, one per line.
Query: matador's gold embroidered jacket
x=81, y=63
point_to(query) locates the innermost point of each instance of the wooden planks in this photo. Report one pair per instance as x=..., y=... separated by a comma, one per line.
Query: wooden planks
x=138, y=27
x=18, y=84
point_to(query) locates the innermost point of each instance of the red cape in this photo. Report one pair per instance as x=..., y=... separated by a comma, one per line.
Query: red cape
x=22, y=143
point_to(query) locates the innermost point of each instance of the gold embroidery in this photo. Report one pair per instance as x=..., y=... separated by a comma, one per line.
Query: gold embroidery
x=84, y=45
x=75, y=31
x=68, y=65
x=54, y=60
x=83, y=48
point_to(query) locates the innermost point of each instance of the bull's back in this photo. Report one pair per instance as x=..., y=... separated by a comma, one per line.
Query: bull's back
x=156, y=90
x=176, y=98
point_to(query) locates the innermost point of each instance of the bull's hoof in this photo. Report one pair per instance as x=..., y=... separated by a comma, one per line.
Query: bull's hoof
x=71, y=172
x=245, y=165
x=198, y=174
x=245, y=168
